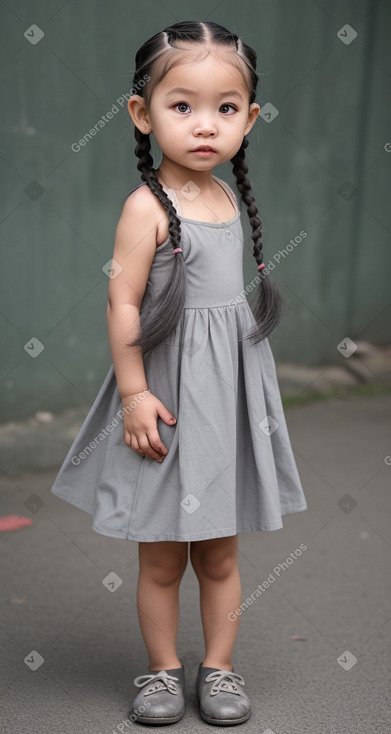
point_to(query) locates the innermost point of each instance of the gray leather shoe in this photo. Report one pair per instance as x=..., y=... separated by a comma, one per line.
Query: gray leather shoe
x=221, y=699
x=162, y=698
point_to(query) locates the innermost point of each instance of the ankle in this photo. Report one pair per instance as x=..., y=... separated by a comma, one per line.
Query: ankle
x=172, y=665
x=216, y=664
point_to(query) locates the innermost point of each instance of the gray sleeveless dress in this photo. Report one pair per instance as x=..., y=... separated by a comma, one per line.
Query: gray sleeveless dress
x=230, y=467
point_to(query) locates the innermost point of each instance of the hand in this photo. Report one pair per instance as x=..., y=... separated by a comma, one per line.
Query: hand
x=140, y=425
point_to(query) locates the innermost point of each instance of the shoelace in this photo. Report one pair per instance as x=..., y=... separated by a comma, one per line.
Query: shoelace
x=224, y=681
x=162, y=681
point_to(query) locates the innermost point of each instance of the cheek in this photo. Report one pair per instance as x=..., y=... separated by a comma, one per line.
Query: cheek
x=166, y=136
x=166, y=139
x=161, y=131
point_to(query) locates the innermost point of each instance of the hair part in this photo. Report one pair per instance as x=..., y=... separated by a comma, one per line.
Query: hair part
x=155, y=58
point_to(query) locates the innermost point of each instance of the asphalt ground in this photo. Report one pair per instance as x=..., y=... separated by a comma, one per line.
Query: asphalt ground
x=313, y=647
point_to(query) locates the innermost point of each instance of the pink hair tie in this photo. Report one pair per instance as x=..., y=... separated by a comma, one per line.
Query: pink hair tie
x=262, y=265
x=178, y=249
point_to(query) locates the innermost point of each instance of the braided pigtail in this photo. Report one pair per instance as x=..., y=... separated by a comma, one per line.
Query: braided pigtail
x=157, y=321
x=268, y=305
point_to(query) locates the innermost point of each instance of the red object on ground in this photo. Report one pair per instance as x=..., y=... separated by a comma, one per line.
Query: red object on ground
x=14, y=522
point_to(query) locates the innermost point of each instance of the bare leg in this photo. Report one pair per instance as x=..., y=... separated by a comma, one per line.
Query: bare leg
x=215, y=564
x=161, y=567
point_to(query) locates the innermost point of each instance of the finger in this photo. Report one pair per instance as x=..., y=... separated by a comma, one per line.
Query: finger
x=155, y=442
x=135, y=445
x=148, y=449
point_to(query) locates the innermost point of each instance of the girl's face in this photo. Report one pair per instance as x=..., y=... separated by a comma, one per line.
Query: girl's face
x=205, y=103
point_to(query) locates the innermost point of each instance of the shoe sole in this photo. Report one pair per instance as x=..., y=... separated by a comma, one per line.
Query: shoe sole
x=225, y=722
x=222, y=722
x=158, y=721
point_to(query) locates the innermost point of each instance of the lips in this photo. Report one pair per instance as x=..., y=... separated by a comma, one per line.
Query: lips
x=204, y=147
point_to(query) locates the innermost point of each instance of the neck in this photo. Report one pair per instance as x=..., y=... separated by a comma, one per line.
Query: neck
x=176, y=177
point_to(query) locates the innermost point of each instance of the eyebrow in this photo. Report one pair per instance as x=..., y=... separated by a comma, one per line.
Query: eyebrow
x=181, y=90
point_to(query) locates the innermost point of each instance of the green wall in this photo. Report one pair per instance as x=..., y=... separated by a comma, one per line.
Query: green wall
x=322, y=166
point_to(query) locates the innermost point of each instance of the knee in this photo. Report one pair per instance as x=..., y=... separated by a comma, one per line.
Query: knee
x=215, y=561
x=166, y=574
x=164, y=566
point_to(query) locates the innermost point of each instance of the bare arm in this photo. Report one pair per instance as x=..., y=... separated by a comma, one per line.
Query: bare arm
x=134, y=251
x=128, y=362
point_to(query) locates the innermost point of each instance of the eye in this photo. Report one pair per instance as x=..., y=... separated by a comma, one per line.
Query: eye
x=229, y=105
x=181, y=104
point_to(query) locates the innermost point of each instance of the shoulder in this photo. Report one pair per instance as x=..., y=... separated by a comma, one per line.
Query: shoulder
x=138, y=223
x=142, y=203
x=143, y=210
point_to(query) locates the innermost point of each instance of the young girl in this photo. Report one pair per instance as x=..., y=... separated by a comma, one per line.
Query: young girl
x=205, y=453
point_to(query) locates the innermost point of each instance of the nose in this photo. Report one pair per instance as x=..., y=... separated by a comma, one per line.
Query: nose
x=205, y=126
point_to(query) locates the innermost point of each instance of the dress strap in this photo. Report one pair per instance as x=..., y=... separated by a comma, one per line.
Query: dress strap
x=228, y=191
x=171, y=193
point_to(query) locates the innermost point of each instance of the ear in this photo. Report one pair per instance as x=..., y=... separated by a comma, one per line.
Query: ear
x=252, y=116
x=138, y=112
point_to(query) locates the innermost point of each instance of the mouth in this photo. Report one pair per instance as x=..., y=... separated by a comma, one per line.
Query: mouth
x=204, y=149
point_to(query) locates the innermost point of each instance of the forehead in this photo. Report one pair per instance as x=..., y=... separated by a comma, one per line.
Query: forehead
x=206, y=72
